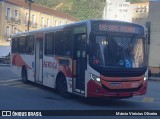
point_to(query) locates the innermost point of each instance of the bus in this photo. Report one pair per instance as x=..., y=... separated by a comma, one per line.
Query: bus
x=93, y=58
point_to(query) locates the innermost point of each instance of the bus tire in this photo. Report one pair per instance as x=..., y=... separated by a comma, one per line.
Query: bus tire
x=62, y=86
x=24, y=75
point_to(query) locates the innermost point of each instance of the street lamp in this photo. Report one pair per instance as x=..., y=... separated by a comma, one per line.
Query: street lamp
x=29, y=3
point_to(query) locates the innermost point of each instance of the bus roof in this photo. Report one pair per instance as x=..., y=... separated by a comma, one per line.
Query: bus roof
x=69, y=25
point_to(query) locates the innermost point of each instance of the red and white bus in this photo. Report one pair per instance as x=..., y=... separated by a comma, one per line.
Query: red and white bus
x=94, y=58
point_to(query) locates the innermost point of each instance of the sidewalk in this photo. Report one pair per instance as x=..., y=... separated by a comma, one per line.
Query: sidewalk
x=154, y=79
x=5, y=65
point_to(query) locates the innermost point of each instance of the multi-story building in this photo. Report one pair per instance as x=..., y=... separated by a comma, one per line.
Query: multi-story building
x=117, y=10
x=14, y=15
x=140, y=13
x=154, y=31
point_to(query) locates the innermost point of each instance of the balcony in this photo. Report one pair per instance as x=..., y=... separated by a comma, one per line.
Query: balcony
x=17, y=21
x=13, y=20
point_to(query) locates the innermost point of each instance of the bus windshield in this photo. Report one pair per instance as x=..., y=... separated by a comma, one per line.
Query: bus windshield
x=118, y=52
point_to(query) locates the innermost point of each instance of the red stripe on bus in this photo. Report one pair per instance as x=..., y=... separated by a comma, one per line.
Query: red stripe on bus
x=18, y=61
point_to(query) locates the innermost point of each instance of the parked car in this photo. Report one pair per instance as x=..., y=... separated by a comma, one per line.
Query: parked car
x=5, y=54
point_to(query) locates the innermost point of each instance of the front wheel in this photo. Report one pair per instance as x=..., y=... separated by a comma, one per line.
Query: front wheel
x=62, y=87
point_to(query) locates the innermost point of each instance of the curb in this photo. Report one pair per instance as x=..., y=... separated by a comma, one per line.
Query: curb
x=154, y=79
x=5, y=65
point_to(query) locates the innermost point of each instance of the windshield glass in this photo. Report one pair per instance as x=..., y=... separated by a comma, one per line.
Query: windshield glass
x=118, y=52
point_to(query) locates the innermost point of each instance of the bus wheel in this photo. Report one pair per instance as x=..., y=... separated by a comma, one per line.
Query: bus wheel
x=62, y=86
x=24, y=75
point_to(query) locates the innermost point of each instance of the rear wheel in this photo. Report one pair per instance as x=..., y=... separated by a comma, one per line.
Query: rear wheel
x=62, y=86
x=24, y=75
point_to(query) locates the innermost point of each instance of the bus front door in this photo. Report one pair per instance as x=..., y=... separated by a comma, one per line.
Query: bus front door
x=39, y=60
x=80, y=62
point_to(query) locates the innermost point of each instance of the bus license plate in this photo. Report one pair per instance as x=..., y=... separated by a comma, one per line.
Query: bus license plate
x=134, y=85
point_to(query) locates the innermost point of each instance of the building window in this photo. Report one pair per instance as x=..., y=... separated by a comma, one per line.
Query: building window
x=61, y=22
x=42, y=22
x=109, y=4
x=56, y=23
x=15, y=30
x=26, y=19
x=52, y=22
x=16, y=14
x=33, y=19
x=120, y=5
x=48, y=22
x=8, y=14
x=7, y=31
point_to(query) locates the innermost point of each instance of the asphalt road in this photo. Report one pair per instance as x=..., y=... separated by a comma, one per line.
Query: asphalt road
x=14, y=95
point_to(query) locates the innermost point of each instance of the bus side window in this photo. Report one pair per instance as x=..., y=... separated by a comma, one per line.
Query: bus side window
x=14, y=45
x=49, y=44
x=22, y=45
x=63, y=43
x=30, y=45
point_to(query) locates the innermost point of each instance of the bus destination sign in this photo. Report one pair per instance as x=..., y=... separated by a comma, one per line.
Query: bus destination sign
x=118, y=28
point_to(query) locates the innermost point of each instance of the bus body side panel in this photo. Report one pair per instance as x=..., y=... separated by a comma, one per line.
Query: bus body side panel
x=51, y=68
x=15, y=68
x=50, y=71
x=19, y=60
x=65, y=66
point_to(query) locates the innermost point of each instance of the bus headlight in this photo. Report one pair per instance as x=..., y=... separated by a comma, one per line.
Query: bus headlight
x=94, y=77
x=145, y=78
x=146, y=75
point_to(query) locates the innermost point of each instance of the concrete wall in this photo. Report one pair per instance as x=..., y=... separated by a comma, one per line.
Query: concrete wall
x=140, y=18
x=154, y=18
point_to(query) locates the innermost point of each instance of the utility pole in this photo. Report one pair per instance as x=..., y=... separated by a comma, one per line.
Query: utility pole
x=29, y=14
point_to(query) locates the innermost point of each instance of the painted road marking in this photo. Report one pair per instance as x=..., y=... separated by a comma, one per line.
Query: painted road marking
x=21, y=85
x=10, y=83
x=25, y=86
x=17, y=84
x=33, y=88
x=148, y=99
x=10, y=80
x=144, y=100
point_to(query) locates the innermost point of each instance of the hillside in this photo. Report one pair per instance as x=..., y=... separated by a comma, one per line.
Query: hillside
x=81, y=9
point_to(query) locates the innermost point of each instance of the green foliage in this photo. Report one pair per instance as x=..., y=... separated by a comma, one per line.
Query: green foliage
x=137, y=1
x=81, y=9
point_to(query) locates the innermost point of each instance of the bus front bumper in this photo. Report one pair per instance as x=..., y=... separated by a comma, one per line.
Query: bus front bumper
x=94, y=89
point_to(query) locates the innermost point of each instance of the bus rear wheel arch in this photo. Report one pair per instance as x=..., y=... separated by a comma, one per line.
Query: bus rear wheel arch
x=61, y=85
x=24, y=75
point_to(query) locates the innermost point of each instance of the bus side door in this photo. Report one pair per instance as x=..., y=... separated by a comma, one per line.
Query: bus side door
x=39, y=59
x=79, y=62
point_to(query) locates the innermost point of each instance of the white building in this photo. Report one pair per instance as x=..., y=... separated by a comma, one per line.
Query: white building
x=154, y=20
x=140, y=13
x=117, y=10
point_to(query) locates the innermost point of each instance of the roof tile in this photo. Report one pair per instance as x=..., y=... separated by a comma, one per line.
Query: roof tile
x=42, y=9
